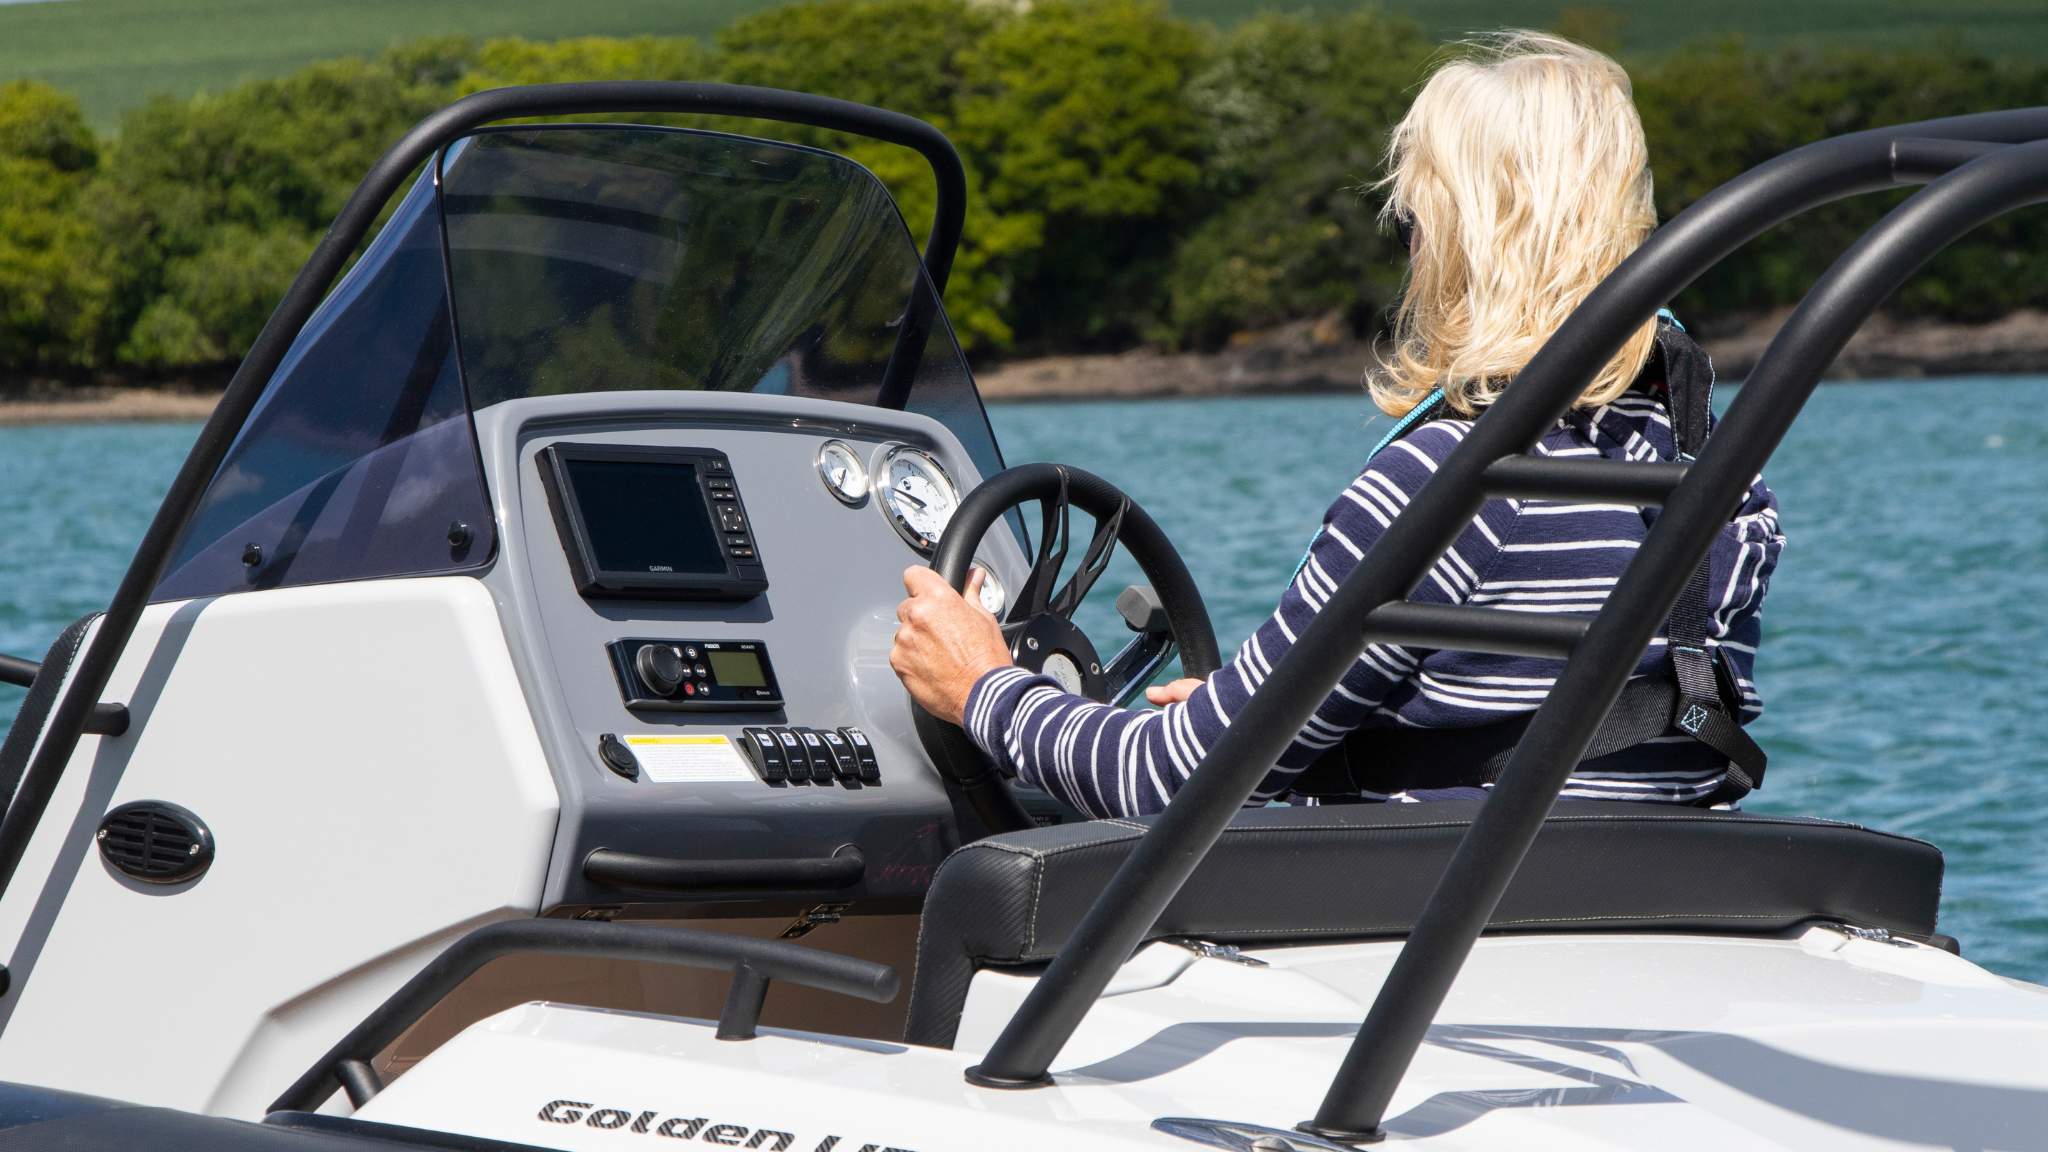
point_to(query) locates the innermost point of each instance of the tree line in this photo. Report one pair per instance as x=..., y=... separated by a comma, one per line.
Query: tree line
x=1135, y=178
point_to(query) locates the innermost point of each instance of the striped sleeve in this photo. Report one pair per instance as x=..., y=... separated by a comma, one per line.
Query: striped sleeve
x=1741, y=566
x=1109, y=761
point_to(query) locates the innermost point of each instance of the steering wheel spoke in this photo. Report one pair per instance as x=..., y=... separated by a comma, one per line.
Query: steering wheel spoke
x=1100, y=548
x=1035, y=593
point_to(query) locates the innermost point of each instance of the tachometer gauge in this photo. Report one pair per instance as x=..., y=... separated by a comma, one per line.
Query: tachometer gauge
x=844, y=475
x=993, y=598
x=916, y=495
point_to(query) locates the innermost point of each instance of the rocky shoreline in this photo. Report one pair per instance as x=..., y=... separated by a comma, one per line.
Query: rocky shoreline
x=1307, y=356
x=1319, y=356
x=40, y=402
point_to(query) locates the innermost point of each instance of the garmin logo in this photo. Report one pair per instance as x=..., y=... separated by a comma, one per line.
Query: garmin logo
x=650, y=1122
x=661, y=568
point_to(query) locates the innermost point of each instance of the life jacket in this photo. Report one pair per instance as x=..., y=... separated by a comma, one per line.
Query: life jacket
x=1694, y=692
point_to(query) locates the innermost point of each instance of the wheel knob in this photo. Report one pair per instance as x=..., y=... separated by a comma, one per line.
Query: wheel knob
x=660, y=667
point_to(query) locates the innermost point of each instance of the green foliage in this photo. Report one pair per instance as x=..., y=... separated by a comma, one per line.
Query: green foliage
x=203, y=202
x=1076, y=115
x=1765, y=104
x=1132, y=175
x=39, y=123
x=902, y=55
x=1298, y=129
x=216, y=299
x=51, y=296
x=895, y=54
x=503, y=62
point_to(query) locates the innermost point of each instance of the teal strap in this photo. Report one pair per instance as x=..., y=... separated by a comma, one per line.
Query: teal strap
x=1416, y=415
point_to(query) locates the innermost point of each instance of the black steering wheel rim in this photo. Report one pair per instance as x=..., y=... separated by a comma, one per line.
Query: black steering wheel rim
x=960, y=764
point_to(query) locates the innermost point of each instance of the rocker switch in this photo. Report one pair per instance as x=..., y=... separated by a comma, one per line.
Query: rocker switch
x=820, y=755
x=863, y=755
x=844, y=764
x=793, y=752
x=766, y=753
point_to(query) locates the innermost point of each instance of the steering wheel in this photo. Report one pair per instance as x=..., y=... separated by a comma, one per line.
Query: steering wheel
x=1040, y=622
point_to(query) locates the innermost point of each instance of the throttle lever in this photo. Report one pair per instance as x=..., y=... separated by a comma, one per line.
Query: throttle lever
x=1142, y=609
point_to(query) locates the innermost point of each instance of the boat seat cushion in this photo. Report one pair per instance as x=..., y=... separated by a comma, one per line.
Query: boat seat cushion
x=1284, y=875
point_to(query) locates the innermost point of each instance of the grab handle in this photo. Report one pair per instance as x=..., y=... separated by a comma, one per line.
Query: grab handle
x=842, y=869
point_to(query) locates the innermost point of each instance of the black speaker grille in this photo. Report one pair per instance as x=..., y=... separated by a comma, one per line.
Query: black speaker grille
x=155, y=842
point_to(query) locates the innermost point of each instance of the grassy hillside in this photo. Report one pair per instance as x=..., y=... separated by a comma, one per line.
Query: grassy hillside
x=114, y=53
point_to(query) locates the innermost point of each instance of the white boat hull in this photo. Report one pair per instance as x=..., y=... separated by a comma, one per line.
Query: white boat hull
x=1820, y=1041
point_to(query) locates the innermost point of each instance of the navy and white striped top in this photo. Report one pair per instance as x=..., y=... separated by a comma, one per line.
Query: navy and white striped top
x=1516, y=555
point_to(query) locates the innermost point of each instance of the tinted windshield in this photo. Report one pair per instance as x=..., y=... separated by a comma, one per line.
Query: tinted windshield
x=554, y=260
x=603, y=259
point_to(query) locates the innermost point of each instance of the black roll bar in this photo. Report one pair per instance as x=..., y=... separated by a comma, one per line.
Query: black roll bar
x=1672, y=258
x=1777, y=388
x=753, y=963
x=75, y=709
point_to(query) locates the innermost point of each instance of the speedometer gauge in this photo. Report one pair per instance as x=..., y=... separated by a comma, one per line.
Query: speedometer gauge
x=843, y=473
x=916, y=495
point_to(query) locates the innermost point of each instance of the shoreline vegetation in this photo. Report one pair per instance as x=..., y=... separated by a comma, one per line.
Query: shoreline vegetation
x=1160, y=205
x=1319, y=356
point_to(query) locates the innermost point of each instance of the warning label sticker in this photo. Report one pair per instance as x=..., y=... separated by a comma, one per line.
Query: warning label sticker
x=690, y=759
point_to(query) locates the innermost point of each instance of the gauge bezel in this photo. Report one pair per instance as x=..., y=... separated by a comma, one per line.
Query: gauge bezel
x=878, y=486
x=860, y=495
x=988, y=577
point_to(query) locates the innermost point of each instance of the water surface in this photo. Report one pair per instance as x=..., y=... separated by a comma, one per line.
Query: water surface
x=1902, y=666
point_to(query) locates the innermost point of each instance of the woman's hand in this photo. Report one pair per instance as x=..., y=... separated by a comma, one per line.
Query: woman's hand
x=1173, y=693
x=946, y=642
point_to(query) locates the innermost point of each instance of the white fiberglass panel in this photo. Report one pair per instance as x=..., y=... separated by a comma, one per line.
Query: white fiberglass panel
x=1547, y=1042
x=365, y=760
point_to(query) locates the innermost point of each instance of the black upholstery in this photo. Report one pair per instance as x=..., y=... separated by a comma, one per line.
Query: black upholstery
x=35, y=707
x=1356, y=871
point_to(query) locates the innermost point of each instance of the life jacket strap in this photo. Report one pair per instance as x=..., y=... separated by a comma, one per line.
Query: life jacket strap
x=1695, y=693
x=1709, y=699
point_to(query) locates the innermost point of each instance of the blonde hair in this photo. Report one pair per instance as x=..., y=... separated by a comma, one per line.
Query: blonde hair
x=1523, y=168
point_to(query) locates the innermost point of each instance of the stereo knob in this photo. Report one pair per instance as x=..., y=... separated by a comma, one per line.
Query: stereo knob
x=660, y=667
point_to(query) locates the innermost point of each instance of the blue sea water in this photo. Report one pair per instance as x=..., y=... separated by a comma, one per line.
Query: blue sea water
x=1902, y=667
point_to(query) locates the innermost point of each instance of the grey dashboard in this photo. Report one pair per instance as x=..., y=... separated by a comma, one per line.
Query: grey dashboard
x=690, y=791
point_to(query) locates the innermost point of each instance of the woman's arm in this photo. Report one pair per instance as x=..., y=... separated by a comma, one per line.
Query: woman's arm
x=1110, y=761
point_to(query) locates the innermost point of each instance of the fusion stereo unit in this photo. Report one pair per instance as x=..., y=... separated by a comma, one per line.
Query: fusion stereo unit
x=695, y=675
x=652, y=523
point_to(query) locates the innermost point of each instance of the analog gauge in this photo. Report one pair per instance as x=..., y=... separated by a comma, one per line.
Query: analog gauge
x=844, y=475
x=993, y=598
x=916, y=495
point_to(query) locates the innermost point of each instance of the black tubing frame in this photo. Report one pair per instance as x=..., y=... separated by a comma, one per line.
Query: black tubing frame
x=1602, y=650
x=74, y=711
x=1772, y=397
x=752, y=962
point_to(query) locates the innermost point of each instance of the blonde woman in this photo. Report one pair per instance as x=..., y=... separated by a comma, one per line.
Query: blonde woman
x=1518, y=180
